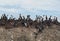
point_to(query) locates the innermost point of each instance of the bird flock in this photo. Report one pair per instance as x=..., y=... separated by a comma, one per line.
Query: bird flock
x=38, y=23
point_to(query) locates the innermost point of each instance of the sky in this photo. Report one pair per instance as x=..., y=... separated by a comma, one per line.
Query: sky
x=32, y=7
